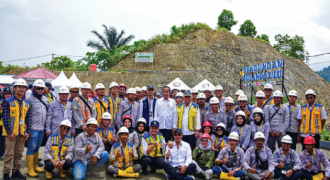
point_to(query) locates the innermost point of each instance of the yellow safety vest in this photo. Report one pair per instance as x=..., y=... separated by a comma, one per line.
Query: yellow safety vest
x=150, y=140
x=111, y=104
x=17, y=127
x=101, y=132
x=271, y=102
x=192, y=120
x=100, y=109
x=222, y=144
x=58, y=153
x=125, y=157
x=311, y=121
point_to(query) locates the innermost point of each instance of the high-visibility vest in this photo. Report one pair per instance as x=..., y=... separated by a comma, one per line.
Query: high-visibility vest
x=17, y=114
x=222, y=144
x=235, y=105
x=271, y=101
x=192, y=120
x=86, y=114
x=120, y=160
x=99, y=109
x=311, y=121
x=150, y=140
x=111, y=104
x=57, y=153
x=110, y=131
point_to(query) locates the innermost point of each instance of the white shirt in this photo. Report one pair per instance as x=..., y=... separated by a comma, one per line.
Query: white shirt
x=179, y=157
x=145, y=145
x=28, y=93
x=166, y=113
x=323, y=116
x=185, y=129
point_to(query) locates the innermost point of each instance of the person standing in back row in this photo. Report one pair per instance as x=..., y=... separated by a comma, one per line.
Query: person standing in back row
x=128, y=107
x=114, y=102
x=218, y=91
x=147, y=106
x=101, y=103
x=268, y=90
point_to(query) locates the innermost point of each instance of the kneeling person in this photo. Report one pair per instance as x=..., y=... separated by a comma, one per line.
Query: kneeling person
x=59, y=151
x=122, y=155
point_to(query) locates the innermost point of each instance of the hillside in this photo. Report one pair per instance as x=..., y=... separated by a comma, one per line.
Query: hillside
x=325, y=73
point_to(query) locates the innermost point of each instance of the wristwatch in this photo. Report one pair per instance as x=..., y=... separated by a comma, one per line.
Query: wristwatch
x=236, y=169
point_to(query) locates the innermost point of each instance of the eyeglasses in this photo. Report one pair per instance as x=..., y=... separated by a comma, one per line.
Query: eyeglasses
x=74, y=91
x=177, y=134
x=219, y=129
x=259, y=98
x=39, y=88
x=268, y=90
x=229, y=105
x=309, y=97
x=194, y=94
x=242, y=101
x=285, y=143
x=204, y=140
x=66, y=128
x=260, y=140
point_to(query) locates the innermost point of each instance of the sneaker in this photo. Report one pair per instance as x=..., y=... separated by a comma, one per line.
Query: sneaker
x=2, y=156
x=95, y=173
x=169, y=177
x=18, y=175
x=6, y=177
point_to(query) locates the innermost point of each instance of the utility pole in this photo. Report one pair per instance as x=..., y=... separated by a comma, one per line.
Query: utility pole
x=227, y=72
x=53, y=62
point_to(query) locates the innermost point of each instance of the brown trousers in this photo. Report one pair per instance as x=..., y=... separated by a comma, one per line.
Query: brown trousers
x=14, y=150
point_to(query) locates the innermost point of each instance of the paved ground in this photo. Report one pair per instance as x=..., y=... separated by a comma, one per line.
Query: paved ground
x=160, y=175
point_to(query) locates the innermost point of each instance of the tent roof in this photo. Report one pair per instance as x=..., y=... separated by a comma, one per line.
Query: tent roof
x=61, y=80
x=74, y=81
x=6, y=79
x=39, y=73
x=203, y=85
x=178, y=84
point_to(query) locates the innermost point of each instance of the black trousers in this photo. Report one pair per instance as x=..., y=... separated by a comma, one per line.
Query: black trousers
x=190, y=139
x=309, y=175
x=78, y=131
x=49, y=165
x=167, y=134
x=294, y=137
x=171, y=171
x=153, y=162
x=317, y=140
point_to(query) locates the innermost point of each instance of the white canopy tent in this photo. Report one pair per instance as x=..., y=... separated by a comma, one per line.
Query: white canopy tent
x=74, y=81
x=203, y=85
x=177, y=83
x=61, y=80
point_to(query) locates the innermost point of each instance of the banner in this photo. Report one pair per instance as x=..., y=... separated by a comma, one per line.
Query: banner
x=257, y=84
x=262, y=71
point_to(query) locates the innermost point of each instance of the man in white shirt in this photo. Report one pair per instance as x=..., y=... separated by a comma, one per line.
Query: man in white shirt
x=178, y=159
x=188, y=120
x=166, y=114
x=29, y=91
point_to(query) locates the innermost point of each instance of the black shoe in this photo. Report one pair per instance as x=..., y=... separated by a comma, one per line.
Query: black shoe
x=153, y=170
x=5, y=177
x=39, y=159
x=145, y=172
x=18, y=175
x=40, y=164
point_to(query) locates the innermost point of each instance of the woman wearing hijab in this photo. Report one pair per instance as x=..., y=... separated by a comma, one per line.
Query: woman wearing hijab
x=140, y=130
x=203, y=157
x=258, y=125
x=243, y=130
x=132, y=136
x=206, y=128
x=221, y=140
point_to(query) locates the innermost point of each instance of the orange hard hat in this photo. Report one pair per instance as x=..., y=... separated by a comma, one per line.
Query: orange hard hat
x=309, y=140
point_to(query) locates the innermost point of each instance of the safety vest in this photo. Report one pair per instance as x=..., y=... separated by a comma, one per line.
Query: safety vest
x=86, y=114
x=235, y=105
x=102, y=134
x=271, y=102
x=192, y=120
x=311, y=121
x=220, y=145
x=50, y=98
x=150, y=140
x=111, y=104
x=99, y=109
x=17, y=116
x=57, y=153
x=125, y=158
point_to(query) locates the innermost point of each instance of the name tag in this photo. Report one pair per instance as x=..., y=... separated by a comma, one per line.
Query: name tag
x=150, y=114
x=21, y=122
x=283, y=172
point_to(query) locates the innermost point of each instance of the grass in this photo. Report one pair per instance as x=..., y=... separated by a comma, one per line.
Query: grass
x=256, y=39
x=222, y=29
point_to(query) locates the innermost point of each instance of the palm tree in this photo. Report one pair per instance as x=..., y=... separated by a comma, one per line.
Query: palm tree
x=111, y=40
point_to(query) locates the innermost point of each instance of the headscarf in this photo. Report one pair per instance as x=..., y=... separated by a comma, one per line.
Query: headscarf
x=261, y=120
x=240, y=125
x=223, y=132
x=137, y=128
x=130, y=129
x=34, y=91
x=208, y=147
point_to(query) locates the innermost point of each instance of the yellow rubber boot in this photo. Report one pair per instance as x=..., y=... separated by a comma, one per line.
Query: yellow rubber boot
x=35, y=165
x=29, y=164
x=225, y=176
x=124, y=173
x=49, y=175
x=318, y=176
x=62, y=173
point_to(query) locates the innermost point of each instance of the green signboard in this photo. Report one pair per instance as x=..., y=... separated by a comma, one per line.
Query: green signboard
x=144, y=57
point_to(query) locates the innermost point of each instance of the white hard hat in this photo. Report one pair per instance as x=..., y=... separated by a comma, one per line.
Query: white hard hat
x=39, y=83
x=208, y=89
x=144, y=88
x=137, y=89
x=194, y=91
x=222, y=125
x=66, y=123
x=214, y=100
x=106, y=115
x=142, y=120
x=286, y=139
x=259, y=135
x=240, y=113
x=131, y=91
x=123, y=130
x=229, y=100
x=74, y=87
x=310, y=91
x=201, y=96
x=277, y=93
x=91, y=121
x=239, y=92
x=242, y=98
x=113, y=84
x=99, y=86
x=63, y=90
x=234, y=135
x=258, y=110
x=218, y=87
x=86, y=85
x=293, y=93
x=179, y=94
x=268, y=86
x=260, y=94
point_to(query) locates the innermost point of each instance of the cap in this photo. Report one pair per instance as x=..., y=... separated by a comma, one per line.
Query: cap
x=106, y=115
x=154, y=124
x=259, y=135
x=178, y=130
x=63, y=90
x=187, y=93
x=277, y=93
x=7, y=90
x=49, y=85
x=91, y=121
x=30, y=86
x=150, y=86
x=66, y=123
x=39, y=83
x=99, y=86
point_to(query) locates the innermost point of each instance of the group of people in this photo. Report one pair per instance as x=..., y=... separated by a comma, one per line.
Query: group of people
x=187, y=134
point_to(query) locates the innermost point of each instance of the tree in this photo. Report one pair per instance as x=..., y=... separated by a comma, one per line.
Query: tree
x=263, y=37
x=111, y=39
x=60, y=63
x=293, y=47
x=226, y=19
x=248, y=29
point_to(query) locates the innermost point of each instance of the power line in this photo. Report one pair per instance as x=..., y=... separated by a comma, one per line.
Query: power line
x=28, y=58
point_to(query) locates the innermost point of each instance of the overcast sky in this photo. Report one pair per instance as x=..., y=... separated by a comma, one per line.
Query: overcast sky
x=31, y=28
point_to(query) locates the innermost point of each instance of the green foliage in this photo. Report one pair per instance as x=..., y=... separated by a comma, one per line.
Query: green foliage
x=256, y=39
x=7, y=68
x=247, y=29
x=222, y=29
x=325, y=73
x=264, y=37
x=226, y=20
x=60, y=63
x=292, y=47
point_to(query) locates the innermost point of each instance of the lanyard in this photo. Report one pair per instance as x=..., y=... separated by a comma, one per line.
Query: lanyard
x=61, y=107
x=241, y=131
x=94, y=142
x=123, y=153
x=232, y=154
x=130, y=106
x=259, y=126
x=278, y=108
x=20, y=107
x=104, y=132
x=285, y=158
x=291, y=111
x=308, y=156
x=219, y=142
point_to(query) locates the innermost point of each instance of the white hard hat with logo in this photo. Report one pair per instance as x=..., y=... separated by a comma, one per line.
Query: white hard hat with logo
x=39, y=83
x=106, y=115
x=142, y=120
x=66, y=123
x=221, y=125
x=123, y=130
x=194, y=91
x=234, y=135
x=240, y=113
x=242, y=98
x=131, y=91
x=137, y=89
x=208, y=89
x=86, y=85
x=201, y=96
x=91, y=121
x=310, y=91
x=113, y=84
x=214, y=100
x=99, y=86
x=180, y=94
x=259, y=135
x=229, y=100
x=260, y=94
x=268, y=86
x=239, y=92
x=286, y=139
x=144, y=88
x=258, y=110
x=277, y=93
x=63, y=90
x=293, y=93
x=218, y=87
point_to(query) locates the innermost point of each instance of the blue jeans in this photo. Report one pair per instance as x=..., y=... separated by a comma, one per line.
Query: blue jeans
x=49, y=166
x=34, y=142
x=79, y=168
x=218, y=169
